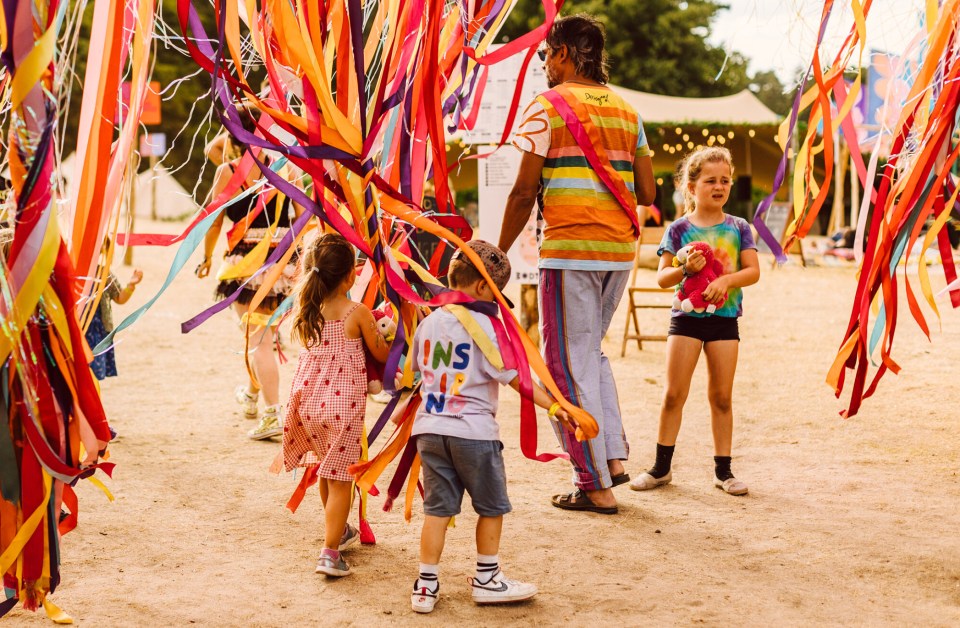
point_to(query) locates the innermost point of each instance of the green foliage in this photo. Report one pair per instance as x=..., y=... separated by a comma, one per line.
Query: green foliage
x=184, y=109
x=766, y=86
x=657, y=46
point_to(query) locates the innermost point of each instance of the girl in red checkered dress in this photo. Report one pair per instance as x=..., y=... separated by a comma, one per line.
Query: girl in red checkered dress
x=323, y=424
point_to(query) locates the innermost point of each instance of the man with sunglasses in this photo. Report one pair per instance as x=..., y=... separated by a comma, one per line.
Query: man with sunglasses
x=585, y=151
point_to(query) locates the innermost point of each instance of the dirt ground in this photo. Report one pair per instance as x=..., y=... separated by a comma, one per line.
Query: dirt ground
x=847, y=522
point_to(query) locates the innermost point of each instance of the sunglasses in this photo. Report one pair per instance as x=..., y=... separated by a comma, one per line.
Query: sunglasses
x=542, y=53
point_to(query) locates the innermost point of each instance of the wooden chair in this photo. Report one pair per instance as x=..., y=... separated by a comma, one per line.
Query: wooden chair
x=643, y=297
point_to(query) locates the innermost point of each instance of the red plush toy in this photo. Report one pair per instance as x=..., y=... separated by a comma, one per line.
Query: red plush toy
x=374, y=369
x=690, y=296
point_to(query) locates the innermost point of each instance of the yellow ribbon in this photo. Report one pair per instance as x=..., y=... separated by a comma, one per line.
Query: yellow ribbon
x=26, y=530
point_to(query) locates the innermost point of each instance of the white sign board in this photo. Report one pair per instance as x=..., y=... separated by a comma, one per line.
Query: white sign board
x=153, y=144
x=496, y=175
x=498, y=96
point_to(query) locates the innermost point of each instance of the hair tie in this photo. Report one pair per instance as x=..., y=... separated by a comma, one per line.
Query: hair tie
x=315, y=269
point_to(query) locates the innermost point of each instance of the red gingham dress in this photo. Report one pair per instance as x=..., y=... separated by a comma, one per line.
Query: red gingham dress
x=324, y=416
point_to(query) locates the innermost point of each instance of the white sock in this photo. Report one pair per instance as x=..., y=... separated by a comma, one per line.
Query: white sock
x=487, y=567
x=429, y=577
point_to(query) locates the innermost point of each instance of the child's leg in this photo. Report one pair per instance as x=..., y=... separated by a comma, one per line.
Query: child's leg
x=265, y=364
x=336, y=509
x=682, y=355
x=432, y=538
x=488, y=548
x=252, y=386
x=443, y=493
x=721, y=368
x=427, y=585
x=488, y=535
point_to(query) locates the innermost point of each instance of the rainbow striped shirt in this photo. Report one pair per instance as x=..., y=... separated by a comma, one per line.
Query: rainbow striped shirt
x=585, y=228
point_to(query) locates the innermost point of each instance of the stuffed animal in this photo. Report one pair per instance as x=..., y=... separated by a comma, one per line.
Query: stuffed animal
x=374, y=369
x=690, y=296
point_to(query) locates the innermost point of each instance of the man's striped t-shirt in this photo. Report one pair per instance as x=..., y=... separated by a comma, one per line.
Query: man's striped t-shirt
x=585, y=228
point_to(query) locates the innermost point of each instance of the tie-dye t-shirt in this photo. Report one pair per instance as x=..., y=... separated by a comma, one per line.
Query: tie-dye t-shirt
x=727, y=238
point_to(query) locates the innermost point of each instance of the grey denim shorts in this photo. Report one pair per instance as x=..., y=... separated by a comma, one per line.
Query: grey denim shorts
x=452, y=465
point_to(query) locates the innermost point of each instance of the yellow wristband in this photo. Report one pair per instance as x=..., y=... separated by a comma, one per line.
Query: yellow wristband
x=552, y=412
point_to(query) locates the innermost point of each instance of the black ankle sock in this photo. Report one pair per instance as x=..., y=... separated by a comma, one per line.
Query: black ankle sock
x=664, y=456
x=722, y=464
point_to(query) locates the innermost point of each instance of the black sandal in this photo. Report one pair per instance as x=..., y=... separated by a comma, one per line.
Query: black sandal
x=617, y=480
x=578, y=500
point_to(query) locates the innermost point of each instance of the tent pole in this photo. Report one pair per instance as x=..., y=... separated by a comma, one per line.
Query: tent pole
x=854, y=193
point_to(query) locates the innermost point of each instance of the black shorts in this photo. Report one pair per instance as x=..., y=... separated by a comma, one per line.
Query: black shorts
x=706, y=328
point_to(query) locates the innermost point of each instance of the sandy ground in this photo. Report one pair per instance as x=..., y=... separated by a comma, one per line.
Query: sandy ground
x=847, y=522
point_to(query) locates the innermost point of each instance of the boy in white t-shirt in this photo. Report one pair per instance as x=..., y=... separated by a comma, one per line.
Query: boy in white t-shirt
x=458, y=437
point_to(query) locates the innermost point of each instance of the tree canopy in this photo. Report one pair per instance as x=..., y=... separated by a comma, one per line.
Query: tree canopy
x=657, y=46
x=661, y=47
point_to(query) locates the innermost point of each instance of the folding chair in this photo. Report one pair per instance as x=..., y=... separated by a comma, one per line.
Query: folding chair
x=644, y=297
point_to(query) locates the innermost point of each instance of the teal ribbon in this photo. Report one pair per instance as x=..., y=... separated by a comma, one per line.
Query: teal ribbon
x=899, y=249
x=187, y=247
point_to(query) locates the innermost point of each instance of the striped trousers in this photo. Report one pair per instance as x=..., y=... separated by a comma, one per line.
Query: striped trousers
x=576, y=307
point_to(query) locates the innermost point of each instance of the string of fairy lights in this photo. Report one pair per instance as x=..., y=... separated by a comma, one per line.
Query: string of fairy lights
x=687, y=141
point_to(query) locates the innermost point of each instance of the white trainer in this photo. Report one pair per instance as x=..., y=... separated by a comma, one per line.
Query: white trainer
x=646, y=481
x=247, y=401
x=423, y=600
x=381, y=397
x=501, y=589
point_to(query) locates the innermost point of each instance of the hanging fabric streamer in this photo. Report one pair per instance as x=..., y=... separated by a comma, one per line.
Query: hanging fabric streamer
x=915, y=192
x=55, y=432
x=359, y=98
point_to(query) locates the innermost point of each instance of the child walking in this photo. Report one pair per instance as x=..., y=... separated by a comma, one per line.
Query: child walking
x=323, y=423
x=706, y=177
x=457, y=433
x=105, y=364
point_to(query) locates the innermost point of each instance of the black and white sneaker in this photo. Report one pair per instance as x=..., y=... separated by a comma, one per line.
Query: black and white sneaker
x=423, y=599
x=501, y=589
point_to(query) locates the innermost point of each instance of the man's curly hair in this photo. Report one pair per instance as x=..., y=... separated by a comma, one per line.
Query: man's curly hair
x=584, y=37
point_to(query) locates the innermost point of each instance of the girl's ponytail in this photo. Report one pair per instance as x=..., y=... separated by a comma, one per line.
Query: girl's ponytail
x=325, y=265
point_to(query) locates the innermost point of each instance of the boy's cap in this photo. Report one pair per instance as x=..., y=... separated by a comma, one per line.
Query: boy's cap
x=495, y=262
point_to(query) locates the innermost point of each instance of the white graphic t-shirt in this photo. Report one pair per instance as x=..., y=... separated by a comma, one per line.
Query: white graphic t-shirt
x=460, y=386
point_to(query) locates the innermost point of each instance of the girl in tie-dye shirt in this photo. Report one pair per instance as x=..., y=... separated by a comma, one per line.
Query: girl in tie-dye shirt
x=707, y=175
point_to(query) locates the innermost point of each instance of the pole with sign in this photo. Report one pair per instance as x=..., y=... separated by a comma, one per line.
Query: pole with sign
x=496, y=174
x=154, y=145
x=149, y=115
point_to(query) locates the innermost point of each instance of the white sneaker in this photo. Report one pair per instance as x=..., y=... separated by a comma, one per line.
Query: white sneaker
x=268, y=427
x=501, y=589
x=381, y=397
x=423, y=600
x=247, y=401
x=646, y=481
